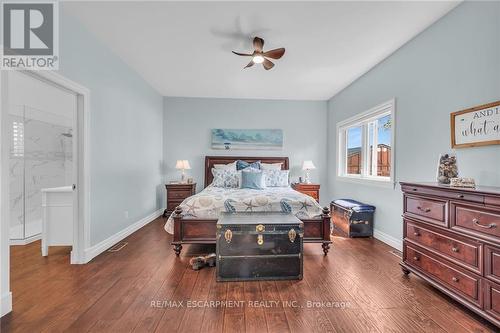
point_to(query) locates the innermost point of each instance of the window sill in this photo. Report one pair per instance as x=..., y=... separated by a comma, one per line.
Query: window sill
x=367, y=181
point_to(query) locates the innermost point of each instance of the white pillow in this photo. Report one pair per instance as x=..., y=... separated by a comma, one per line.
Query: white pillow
x=271, y=166
x=276, y=178
x=226, y=178
x=230, y=166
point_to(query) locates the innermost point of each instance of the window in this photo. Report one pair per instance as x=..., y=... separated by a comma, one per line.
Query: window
x=366, y=142
x=18, y=139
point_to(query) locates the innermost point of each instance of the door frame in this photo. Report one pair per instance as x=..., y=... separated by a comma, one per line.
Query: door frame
x=81, y=197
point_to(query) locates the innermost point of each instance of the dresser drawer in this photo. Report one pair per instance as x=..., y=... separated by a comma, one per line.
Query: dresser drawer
x=492, y=263
x=429, y=210
x=443, y=193
x=172, y=204
x=465, y=284
x=492, y=299
x=490, y=200
x=179, y=194
x=313, y=194
x=475, y=220
x=460, y=250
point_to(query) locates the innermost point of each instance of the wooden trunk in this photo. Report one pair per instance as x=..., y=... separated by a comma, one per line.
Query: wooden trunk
x=259, y=246
x=451, y=240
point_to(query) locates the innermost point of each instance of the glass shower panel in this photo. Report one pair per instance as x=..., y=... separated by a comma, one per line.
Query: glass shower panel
x=44, y=160
x=16, y=172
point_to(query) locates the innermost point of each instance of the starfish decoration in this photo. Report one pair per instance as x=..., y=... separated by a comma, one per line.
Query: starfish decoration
x=305, y=205
x=191, y=208
x=249, y=205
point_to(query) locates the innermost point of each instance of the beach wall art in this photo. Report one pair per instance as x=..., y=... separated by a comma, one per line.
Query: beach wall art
x=247, y=139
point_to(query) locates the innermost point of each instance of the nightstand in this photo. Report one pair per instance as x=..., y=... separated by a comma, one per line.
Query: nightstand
x=176, y=193
x=311, y=190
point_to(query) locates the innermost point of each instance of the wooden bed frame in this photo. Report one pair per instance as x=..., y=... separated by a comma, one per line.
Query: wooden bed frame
x=203, y=231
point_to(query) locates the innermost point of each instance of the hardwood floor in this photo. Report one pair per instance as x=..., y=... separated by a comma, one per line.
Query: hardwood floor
x=114, y=293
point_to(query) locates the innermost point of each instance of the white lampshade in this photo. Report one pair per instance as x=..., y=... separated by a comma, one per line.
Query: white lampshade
x=308, y=165
x=182, y=164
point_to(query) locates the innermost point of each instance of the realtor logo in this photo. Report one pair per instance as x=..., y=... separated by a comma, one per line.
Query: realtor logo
x=30, y=35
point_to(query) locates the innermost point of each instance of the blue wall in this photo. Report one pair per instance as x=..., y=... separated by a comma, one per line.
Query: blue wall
x=126, y=131
x=453, y=65
x=188, y=124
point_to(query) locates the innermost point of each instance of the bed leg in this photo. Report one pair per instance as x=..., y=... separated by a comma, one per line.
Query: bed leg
x=177, y=230
x=326, y=247
x=326, y=230
x=177, y=249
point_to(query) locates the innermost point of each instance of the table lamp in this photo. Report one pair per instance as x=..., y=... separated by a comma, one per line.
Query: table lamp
x=183, y=165
x=308, y=165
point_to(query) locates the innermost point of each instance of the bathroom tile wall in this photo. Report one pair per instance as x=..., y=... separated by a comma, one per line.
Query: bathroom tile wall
x=40, y=157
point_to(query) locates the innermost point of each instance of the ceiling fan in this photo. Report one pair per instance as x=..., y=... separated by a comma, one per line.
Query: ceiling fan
x=259, y=56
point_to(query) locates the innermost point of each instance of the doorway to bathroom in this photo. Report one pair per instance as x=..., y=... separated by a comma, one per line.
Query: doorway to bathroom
x=28, y=118
x=45, y=178
x=41, y=118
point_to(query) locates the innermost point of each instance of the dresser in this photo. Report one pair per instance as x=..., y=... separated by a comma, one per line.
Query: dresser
x=176, y=193
x=452, y=240
x=311, y=190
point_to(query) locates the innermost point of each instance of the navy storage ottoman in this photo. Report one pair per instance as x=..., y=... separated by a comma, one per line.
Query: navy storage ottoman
x=352, y=218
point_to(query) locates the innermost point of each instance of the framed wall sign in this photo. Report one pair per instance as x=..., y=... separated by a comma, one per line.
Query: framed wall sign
x=477, y=126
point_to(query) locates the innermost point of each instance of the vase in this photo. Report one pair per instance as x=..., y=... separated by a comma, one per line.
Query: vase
x=447, y=168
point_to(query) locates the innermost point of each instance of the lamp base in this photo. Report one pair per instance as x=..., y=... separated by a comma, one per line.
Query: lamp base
x=307, y=180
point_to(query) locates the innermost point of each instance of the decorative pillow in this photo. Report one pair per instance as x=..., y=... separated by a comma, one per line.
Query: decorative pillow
x=276, y=178
x=271, y=166
x=253, y=179
x=231, y=166
x=240, y=165
x=226, y=178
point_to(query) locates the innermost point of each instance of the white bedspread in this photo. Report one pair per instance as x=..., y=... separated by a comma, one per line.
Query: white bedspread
x=212, y=200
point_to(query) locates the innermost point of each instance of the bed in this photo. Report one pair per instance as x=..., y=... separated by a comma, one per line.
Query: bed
x=194, y=220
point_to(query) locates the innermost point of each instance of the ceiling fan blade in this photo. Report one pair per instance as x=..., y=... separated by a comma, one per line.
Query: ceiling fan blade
x=274, y=54
x=267, y=64
x=250, y=64
x=258, y=44
x=242, y=54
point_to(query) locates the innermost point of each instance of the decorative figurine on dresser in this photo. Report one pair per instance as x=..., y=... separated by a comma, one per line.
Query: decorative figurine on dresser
x=176, y=193
x=452, y=240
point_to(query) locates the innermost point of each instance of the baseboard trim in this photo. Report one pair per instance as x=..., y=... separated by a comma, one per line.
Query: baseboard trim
x=388, y=239
x=25, y=241
x=6, y=304
x=94, y=251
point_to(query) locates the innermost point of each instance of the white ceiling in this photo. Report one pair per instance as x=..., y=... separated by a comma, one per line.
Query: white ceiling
x=184, y=49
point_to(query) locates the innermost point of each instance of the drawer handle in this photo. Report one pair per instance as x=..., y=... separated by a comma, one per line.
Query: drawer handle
x=489, y=226
x=416, y=233
x=414, y=189
x=455, y=279
x=454, y=249
x=461, y=196
x=425, y=210
x=416, y=258
x=260, y=239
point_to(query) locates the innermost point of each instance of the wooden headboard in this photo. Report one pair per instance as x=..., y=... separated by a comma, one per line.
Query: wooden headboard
x=211, y=160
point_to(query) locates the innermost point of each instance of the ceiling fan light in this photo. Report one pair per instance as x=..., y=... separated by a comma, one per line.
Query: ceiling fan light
x=258, y=59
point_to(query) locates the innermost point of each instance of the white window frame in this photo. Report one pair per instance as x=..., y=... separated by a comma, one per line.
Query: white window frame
x=364, y=120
